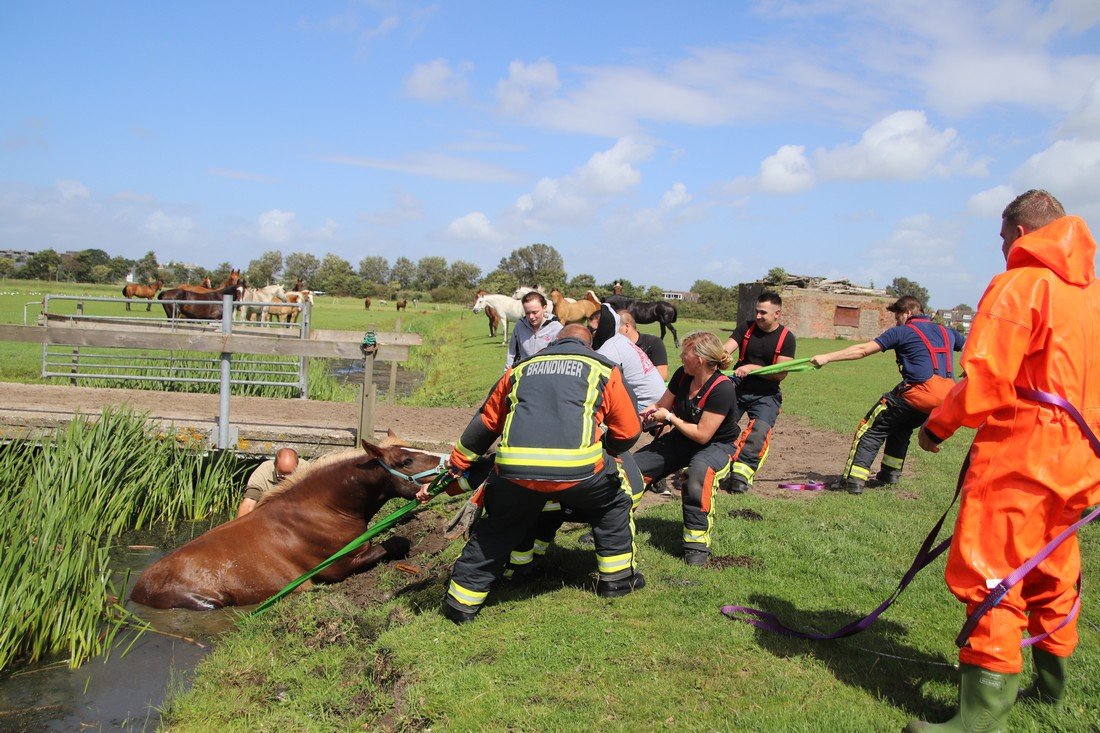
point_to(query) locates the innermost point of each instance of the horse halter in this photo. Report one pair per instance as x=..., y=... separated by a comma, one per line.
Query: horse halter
x=414, y=478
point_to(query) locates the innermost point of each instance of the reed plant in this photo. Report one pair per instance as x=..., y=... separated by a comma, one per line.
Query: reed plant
x=63, y=504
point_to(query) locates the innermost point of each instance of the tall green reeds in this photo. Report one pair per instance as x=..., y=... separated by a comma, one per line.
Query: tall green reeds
x=62, y=504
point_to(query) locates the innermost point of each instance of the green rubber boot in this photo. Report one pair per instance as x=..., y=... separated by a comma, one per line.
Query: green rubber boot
x=984, y=701
x=1049, y=685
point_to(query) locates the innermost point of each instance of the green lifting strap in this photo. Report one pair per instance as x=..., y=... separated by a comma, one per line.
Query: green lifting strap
x=794, y=365
x=375, y=529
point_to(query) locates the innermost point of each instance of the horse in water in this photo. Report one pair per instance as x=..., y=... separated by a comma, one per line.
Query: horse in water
x=133, y=290
x=658, y=311
x=199, y=306
x=300, y=523
x=258, y=298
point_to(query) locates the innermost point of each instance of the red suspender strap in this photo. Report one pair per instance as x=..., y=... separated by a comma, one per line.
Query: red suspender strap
x=715, y=381
x=778, y=346
x=945, y=350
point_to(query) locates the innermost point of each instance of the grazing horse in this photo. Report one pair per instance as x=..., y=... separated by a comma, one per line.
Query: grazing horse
x=578, y=312
x=290, y=313
x=199, y=306
x=366, y=302
x=655, y=311
x=303, y=521
x=133, y=290
x=402, y=304
x=264, y=295
x=507, y=308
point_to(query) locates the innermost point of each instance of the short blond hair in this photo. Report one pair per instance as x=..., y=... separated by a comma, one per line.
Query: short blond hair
x=706, y=346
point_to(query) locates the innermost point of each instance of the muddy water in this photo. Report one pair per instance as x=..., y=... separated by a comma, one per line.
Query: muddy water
x=124, y=690
x=351, y=372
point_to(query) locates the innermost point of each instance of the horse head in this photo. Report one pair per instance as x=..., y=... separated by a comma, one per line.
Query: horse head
x=479, y=304
x=401, y=470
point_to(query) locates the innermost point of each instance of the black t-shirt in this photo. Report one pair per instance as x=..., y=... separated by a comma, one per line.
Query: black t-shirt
x=722, y=399
x=760, y=351
x=654, y=348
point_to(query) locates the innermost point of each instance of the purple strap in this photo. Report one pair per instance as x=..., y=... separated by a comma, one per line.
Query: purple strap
x=927, y=553
x=1001, y=589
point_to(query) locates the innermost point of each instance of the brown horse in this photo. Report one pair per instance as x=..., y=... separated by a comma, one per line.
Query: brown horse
x=366, y=302
x=305, y=520
x=233, y=278
x=133, y=290
x=206, y=283
x=578, y=312
x=401, y=304
x=200, y=306
x=494, y=320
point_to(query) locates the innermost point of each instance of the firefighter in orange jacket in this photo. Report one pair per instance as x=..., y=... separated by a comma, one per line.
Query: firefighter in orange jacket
x=1031, y=469
x=548, y=411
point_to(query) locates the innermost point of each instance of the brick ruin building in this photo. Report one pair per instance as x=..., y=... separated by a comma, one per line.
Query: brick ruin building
x=814, y=307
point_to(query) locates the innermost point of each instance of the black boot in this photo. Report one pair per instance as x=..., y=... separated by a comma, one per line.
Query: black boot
x=620, y=587
x=888, y=477
x=458, y=615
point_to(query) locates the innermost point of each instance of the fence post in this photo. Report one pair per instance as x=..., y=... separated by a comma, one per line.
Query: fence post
x=367, y=393
x=393, y=368
x=223, y=401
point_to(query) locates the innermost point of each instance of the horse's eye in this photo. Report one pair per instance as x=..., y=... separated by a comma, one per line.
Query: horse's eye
x=406, y=463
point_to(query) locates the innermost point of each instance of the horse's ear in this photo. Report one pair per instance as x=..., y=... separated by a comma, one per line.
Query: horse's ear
x=372, y=450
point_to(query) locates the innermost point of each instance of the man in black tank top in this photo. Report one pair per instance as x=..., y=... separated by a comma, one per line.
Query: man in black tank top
x=760, y=342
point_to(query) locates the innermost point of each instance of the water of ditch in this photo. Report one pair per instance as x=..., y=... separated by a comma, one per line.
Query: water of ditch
x=125, y=689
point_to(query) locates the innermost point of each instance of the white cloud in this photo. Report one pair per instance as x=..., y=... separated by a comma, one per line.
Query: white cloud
x=902, y=146
x=386, y=26
x=990, y=203
x=525, y=83
x=474, y=227
x=406, y=207
x=921, y=248
x=436, y=81
x=434, y=165
x=276, y=226
x=1070, y=169
x=1084, y=120
x=788, y=171
x=327, y=232
x=176, y=228
x=612, y=171
x=72, y=189
x=675, y=196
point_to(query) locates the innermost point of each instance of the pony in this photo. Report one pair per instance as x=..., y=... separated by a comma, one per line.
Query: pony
x=133, y=290
x=290, y=313
x=505, y=306
x=658, y=311
x=366, y=302
x=257, y=296
x=199, y=306
x=303, y=521
x=578, y=312
x=402, y=304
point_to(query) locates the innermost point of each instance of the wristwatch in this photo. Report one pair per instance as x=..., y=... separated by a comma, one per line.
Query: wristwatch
x=668, y=419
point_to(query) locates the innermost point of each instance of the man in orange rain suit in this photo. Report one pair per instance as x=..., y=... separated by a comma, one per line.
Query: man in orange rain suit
x=1031, y=468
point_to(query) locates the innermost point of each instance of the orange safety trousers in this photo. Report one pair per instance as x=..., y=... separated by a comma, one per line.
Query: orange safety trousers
x=1009, y=512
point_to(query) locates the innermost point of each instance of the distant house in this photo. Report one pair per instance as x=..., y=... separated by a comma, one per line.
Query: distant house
x=814, y=307
x=19, y=256
x=954, y=318
x=686, y=296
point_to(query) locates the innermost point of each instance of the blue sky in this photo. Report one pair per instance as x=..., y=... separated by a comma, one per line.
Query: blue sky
x=662, y=142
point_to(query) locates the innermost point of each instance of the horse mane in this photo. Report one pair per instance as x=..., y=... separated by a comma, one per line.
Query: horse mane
x=298, y=477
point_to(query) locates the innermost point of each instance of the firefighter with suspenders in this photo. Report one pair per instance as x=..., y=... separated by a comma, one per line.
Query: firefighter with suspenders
x=923, y=351
x=758, y=343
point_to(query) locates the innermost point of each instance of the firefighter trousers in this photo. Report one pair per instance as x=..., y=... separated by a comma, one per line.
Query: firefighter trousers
x=752, y=447
x=511, y=514
x=706, y=465
x=891, y=421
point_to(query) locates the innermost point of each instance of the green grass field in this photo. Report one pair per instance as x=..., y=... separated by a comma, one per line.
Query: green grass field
x=551, y=656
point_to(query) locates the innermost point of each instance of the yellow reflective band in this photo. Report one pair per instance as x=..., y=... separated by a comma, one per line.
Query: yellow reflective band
x=466, y=452
x=742, y=470
x=859, y=472
x=521, y=558
x=891, y=462
x=697, y=536
x=613, y=563
x=551, y=506
x=464, y=484
x=541, y=547
x=565, y=457
x=465, y=596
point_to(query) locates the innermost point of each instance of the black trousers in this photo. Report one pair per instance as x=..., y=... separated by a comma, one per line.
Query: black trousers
x=891, y=421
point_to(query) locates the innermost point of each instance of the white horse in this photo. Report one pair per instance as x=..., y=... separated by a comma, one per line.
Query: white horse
x=267, y=294
x=507, y=307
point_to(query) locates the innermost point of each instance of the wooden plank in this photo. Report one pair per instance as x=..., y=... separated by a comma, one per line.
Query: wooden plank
x=206, y=342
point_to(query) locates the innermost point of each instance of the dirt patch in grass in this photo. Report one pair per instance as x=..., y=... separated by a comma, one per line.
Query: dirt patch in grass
x=748, y=514
x=721, y=562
